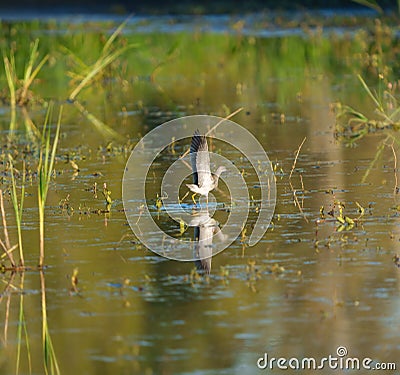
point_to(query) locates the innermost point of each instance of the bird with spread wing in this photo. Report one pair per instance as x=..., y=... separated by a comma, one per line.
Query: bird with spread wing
x=203, y=180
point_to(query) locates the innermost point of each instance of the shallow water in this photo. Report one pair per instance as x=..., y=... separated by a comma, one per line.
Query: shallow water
x=308, y=287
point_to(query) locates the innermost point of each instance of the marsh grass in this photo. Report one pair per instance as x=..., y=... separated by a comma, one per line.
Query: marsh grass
x=97, y=69
x=88, y=73
x=9, y=66
x=47, y=157
x=18, y=204
x=352, y=125
x=32, y=69
x=108, y=54
x=20, y=89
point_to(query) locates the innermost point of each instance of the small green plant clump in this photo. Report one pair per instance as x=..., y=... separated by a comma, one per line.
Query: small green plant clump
x=352, y=125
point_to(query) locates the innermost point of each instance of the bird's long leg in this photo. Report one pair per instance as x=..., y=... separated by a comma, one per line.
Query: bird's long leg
x=194, y=200
x=187, y=193
x=207, y=200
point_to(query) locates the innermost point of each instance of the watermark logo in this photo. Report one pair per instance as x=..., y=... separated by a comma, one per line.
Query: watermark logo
x=140, y=213
x=340, y=361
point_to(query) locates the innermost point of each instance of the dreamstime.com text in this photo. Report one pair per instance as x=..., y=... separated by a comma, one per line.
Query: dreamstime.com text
x=339, y=362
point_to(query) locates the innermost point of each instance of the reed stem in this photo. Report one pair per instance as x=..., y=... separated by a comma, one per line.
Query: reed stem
x=45, y=170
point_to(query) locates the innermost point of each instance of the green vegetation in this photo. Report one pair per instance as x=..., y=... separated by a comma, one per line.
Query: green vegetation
x=20, y=93
x=105, y=71
x=351, y=124
x=47, y=155
x=87, y=74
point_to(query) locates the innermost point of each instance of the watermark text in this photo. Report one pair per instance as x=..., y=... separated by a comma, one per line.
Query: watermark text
x=340, y=361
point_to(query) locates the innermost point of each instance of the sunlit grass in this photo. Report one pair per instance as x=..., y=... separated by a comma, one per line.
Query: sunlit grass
x=20, y=88
x=108, y=54
x=47, y=157
x=88, y=73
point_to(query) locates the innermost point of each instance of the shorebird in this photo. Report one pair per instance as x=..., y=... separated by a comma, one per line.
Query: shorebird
x=203, y=180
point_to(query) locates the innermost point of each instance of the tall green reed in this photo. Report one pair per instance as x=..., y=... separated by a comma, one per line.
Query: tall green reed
x=47, y=157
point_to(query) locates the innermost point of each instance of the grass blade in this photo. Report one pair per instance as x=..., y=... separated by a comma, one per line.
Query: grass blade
x=113, y=36
x=8, y=66
x=370, y=4
x=97, y=68
x=371, y=95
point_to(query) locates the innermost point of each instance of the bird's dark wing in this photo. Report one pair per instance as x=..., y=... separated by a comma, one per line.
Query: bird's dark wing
x=200, y=159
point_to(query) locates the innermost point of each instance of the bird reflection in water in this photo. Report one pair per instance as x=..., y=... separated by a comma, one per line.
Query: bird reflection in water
x=206, y=229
